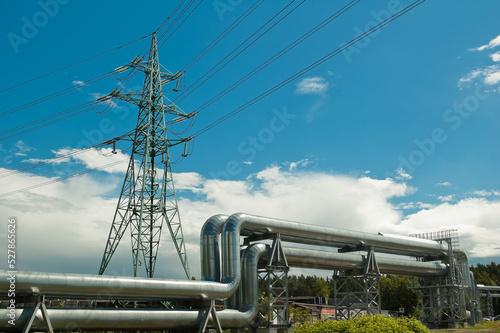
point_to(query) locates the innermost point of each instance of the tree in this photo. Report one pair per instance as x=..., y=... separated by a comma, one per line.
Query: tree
x=299, y=315
x=489, y=275
x=394, y=294
x=320, y=288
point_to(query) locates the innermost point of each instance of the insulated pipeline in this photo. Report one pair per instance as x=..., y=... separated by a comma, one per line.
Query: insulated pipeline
x=154, y=319
x=105, y=287
x=252, y=225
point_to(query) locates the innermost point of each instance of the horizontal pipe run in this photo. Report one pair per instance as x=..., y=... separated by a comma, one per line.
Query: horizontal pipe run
x=323, y=260
x=102, y=319
x=96, y=286
x=115, y=287
x=490, y=288
x=154, y=319
x=290, y=231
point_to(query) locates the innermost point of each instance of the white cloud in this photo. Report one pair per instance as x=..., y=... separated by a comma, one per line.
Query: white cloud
x=484, y=193
x=317, y=108
x=475, y=218
x=75, y=216
x=444, y=184
x=79, y=84
x=92, y=158
x=312, y=85
x=187, y=181
x=490, y=75
x=495, y=56
x=492, y=44
x=302, y=163
x=446, y=198
x=21, y=149
x=492, y=78
x=402, y=174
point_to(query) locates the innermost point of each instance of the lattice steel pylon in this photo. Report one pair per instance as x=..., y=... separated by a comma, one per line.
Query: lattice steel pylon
x=147, y=198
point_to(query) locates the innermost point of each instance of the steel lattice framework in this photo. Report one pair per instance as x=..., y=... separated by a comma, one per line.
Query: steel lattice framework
x=147, y=198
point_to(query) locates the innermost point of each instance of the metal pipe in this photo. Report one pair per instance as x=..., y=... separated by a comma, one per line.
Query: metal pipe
x=307, y=258
x=210, y=249
x=117, y=287
x=112, y=319
x=490, y=288
x=102, y=319
x=97, y=286
x=252, y=225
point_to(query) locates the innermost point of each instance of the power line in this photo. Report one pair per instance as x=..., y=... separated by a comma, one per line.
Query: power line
x=221, y=36
x=60, y=179
x=278, y=55
x=54, y=95
x=251, y=9
x=72, y=65
x=179, y=5
x=217, y=70
x=72, y=112
x=182, y=13
x=63, y=115
x=61, y=157
x=74, y=87
x=308, y=68
x=256, y=99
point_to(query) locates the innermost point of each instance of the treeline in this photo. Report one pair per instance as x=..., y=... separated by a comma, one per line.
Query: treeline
x=489, y=275
x=394, y=292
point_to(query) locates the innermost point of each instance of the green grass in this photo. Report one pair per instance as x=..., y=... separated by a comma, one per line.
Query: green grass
x=487, y=325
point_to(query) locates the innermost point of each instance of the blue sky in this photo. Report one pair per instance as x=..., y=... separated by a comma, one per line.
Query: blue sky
x=398, y=133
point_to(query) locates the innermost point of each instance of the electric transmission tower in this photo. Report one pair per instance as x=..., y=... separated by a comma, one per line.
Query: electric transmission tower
x=147, y=200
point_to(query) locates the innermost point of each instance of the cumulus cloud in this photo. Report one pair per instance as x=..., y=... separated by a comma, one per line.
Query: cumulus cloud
x=402, y=174
x=476, y=220
x=75, y=216
x=94, y=158
x=491, y=45
x=484, y=193
x=495, y=56
x=444, y=184
x=490, y=75
x=21, y=149
x=316, y=85
x=446, y=198
x=415, y=205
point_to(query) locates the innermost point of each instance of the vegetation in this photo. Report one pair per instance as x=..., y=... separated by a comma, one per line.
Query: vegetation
x=367, y=324
x=300, y=315
x=490, y=326
x=395, y=294
x=489, y=275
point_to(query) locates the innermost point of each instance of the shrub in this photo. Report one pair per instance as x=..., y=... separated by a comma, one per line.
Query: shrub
x=366, y=324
